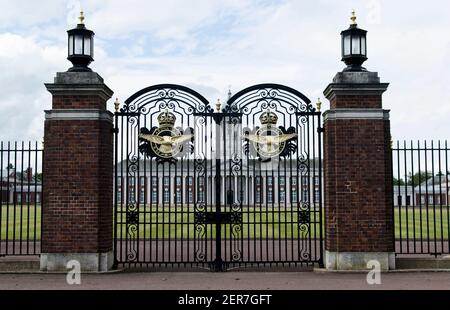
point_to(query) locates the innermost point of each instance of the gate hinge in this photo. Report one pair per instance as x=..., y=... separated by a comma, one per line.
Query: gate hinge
x=115, y=130
x=320, y=129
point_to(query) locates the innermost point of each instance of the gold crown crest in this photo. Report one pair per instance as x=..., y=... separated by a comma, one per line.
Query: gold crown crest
x=166, y=119
x=268, y=118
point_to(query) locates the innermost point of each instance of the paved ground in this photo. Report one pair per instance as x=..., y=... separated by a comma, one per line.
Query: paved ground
x=228, y=281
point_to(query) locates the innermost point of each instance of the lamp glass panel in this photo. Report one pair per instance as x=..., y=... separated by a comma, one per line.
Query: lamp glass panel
x=356, y=49
x=363, y=45
x=78, y=44
x=346, y=45
x=70, y=45
x=87, y=46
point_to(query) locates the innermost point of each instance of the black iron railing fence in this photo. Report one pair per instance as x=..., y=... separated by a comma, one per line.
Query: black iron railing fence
x=421, y=176
x=20, y=198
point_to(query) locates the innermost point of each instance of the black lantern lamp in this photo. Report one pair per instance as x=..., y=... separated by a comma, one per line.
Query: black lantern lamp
x=80, y=47
x=354, y=46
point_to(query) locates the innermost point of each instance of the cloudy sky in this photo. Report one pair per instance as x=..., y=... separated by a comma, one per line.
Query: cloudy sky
x=211, y=45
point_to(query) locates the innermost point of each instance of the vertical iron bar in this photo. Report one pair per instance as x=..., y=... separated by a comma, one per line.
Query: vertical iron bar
x=427, y=198
x=15, y=198
x=420, y=197
x=116, y=135
x=1, y=196
x=41, y=195
x=8, y=185
x=398, y=194
x=412, y=196
x=29, y=177
x=434, y=197
x=319, y=129
x=406, y=194
x=440, y=195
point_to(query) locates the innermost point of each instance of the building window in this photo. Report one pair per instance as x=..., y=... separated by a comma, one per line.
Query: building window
x=305, y=180
x=422, y=199
x=270, y=189
x=131, y=190
x=294, y=197
x=282, y=189
x=282, y=197
x=317, y=196
x=19, y=198
x=178, y=189
x=316, y=181
x=258, y=190
x=142, y=189
x=201, y=189
x=399, y=201
x=38, y=198
x=166, y=188
x=166, y=196
x=178, y=196
x=201, y=196
x=269, y=196
x=154, y=190
x=305, y=195
x=430, y=199
x=408, y=200
x=190, y=196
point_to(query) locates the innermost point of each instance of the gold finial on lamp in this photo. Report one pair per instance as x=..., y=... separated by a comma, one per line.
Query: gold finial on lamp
x=218, y=105
x=353, y=18
x=318, y=104
x=117, y=104
x=81, y=18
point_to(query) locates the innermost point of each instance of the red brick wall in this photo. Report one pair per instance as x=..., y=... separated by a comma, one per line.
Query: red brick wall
x=356, y=101
x=78, y=102
x=78, y=164
x=358, y=185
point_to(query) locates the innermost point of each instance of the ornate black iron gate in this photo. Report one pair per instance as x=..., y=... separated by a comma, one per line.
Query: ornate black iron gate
x=238, y=186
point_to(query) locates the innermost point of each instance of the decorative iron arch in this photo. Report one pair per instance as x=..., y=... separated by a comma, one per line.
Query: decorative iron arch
x=166, y=95
x=269, y=94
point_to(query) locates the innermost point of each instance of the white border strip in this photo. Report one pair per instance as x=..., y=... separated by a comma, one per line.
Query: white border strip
x=81, y=114
x=374, y=114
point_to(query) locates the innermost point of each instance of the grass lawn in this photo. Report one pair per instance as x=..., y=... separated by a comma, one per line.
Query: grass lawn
x=281, y=223
x=414, y=222
x=11, y=221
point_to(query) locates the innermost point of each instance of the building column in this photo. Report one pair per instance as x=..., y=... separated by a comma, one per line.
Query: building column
x=357, y=171
x=77, y=210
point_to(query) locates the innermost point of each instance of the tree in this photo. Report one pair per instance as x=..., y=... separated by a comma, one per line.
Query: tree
x=398, y=182
x=37, y=177
x=419, y=177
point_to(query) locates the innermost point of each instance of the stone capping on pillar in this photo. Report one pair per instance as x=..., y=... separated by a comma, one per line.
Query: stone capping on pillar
x=79, y=84
x=355, y=83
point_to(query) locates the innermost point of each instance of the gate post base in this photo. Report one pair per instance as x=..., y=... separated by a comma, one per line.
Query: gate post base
x=89, y=262
x=352, y=261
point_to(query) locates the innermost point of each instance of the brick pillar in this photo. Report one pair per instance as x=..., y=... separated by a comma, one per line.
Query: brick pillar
x=358, y=176
x=77, y=211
